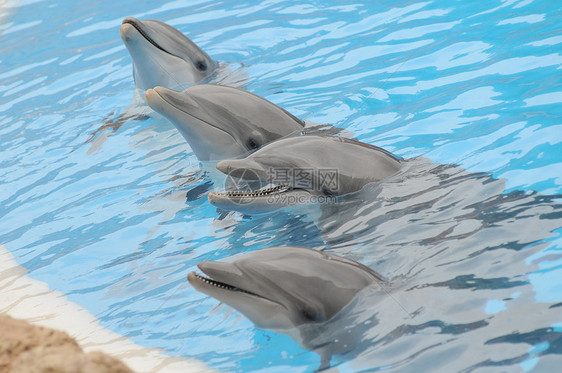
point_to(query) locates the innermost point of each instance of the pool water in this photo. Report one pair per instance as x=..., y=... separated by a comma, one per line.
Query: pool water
x=110, y=207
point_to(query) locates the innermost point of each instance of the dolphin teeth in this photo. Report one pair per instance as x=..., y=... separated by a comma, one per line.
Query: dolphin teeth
x=221, y=285
x=255, y=193
x=216, y=284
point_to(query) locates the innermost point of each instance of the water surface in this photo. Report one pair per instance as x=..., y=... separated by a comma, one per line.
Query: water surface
x=469, y=233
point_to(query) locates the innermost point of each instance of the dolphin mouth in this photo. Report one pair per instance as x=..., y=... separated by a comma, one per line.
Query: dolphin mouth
x=138, y=26
x=197, y=280
x=192, y=276
x=161, y=93
x=262, y=192
x=260, y=201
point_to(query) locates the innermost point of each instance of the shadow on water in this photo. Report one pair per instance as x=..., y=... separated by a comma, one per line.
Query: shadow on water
x=111, y=124
x=457, y=250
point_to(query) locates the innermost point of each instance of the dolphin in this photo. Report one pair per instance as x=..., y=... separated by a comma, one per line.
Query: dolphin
x=301, y=169
x=162, y=55
x=222, y=122
x=304, y=293
x=281, y=288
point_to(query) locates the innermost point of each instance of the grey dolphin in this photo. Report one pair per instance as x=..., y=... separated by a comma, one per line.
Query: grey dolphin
x=295, y=170
x=162, y=55
x=222, y=122
x=284, y=287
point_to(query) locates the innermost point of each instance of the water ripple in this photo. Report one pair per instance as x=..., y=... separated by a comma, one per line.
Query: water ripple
x=110, y=207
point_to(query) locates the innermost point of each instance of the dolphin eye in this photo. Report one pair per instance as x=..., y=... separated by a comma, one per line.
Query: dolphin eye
x=202, y=66
x=309, y=315
x=252, y=144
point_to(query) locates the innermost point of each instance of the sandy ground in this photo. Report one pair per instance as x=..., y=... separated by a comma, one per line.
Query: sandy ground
x=28, y=348
x=25, y=298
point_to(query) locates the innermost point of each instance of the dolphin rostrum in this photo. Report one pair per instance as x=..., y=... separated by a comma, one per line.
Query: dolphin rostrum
x=222, y=122
x=301, y=169
x=163, y=56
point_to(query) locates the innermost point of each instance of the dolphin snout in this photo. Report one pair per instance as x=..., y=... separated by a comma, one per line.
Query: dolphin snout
x=154, y=100
x=224, y=167
x=127, y=26
x=157, y=97
x=150, y=94
x=245, y=168
x=130, y=20
x=182, y=101
x=125, y=31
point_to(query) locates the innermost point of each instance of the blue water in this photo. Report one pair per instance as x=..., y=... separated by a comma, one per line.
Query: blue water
x=469, y=234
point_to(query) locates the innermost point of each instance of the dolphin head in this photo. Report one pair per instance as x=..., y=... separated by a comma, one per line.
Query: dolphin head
x=301, y=169
x=162, y=55
x=284, y=287
x=222, y=122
